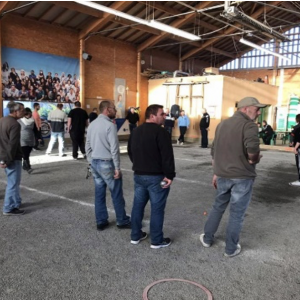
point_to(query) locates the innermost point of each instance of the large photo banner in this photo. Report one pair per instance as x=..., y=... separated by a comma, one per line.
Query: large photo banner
x=35, y=76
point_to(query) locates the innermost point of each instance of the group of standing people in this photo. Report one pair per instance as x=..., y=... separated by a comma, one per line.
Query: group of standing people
x=151, y=152
x=235, y=153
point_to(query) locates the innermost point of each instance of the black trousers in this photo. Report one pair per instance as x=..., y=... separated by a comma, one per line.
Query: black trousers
x=297, y=164
x=182, y=130
x=77, y=142
x=26, y=152
x=204, y=140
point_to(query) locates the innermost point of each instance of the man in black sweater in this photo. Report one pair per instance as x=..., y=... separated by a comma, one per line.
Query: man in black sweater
x=150, y=150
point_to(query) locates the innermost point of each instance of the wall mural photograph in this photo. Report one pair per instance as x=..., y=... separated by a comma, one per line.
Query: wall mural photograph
x=35, y=76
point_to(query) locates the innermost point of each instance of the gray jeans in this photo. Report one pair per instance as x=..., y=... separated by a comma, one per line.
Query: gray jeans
x=237, y=193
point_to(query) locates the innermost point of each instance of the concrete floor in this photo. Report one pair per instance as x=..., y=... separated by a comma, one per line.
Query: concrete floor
x=55, y=252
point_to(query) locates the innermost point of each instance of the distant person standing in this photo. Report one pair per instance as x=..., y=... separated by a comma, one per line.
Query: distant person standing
x=133, y=119
x=11, y=158
x=295, y=142
x=57, y=119
x=102, y=148
x=27, y=138
x=204, y=124
x=38, y=123
x=77, y=122
x=183, y=125
x=93, y=115
x=151, y=152
x=268, y=132
x=235, y=153
x=169, y=122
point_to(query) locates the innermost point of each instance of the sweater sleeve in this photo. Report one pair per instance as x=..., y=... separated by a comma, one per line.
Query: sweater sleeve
x=14, y=141
x=167, y=155
x=114, y=145
x=251, y=140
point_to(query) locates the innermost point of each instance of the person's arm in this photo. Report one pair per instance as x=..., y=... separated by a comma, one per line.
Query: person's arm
x=14, y=140
x=69, y=124
x=251, y=142
x=296, y=148
x=88, y=147
x=113, y=141
x=129, y=152
x=208, y=121
x=167, y=156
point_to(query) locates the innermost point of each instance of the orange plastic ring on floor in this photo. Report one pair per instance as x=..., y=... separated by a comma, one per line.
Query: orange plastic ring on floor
x=146, y=290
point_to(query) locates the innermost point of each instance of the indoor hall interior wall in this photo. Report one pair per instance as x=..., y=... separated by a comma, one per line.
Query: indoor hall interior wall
x=39, y=37
x=111, y=59
x=159, y=60
x=212, y=98
x=291, y=80
x=236, y=89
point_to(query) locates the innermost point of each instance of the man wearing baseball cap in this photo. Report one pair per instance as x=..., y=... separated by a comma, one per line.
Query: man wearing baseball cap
x=235, y=152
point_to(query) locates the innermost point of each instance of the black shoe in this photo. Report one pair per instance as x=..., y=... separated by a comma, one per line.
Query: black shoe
x=144, y=236
x=29, y=171
x=165, y=243
x=102, y=226
x=14, y=212
x=125, y=226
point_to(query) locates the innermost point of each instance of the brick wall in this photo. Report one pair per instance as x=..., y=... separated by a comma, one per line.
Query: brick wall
x=111, y=59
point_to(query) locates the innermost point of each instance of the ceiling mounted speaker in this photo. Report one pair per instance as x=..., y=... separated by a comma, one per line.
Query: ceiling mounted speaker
x=86, y=56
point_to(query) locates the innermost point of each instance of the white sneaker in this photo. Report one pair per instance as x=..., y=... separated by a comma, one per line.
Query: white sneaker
x=181, y=144
x=177, y=142
x=202, y=241
x=236, y=252
x=295, y=183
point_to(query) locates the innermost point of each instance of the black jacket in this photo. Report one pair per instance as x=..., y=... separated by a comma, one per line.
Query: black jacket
x=204, y=122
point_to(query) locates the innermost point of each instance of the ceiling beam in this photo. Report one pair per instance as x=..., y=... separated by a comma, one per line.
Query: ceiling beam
x=141, y=27
x=46, y=12
x=228, y=31
x=73, y=16
x=29, y=10
x=289, y=5
x=3, y=6
x=169, y=10
x=105, y=19
x=177, y=23
x=65, y=11
x=211, y=49
x=79, y=8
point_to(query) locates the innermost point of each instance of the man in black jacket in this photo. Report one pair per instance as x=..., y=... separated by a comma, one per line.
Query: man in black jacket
x=133, y=119
x=11, y=158
x=150, y=150
x=204, y=124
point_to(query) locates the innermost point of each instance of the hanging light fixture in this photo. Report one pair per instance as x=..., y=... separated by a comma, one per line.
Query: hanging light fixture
x=248, y=43
x=150, y=23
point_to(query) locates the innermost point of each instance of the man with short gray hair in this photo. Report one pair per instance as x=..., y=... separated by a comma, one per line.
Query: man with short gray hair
x=11, y=158
x=235, y=152
x=102, y=149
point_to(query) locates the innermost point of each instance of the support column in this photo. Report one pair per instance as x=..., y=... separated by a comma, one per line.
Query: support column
x=138, y=79
x=1, y=99
x=82, y=73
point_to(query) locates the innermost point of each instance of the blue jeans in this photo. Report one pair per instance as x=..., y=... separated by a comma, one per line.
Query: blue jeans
x=53, y=139
x=103, y=173
x=12, y=197
x=238, y=193
x=145, y=187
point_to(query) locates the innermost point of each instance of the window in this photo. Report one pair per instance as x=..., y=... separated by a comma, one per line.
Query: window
x=258, y=59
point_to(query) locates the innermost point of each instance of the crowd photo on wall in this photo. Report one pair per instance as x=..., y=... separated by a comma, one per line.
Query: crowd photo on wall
x=39, y=77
